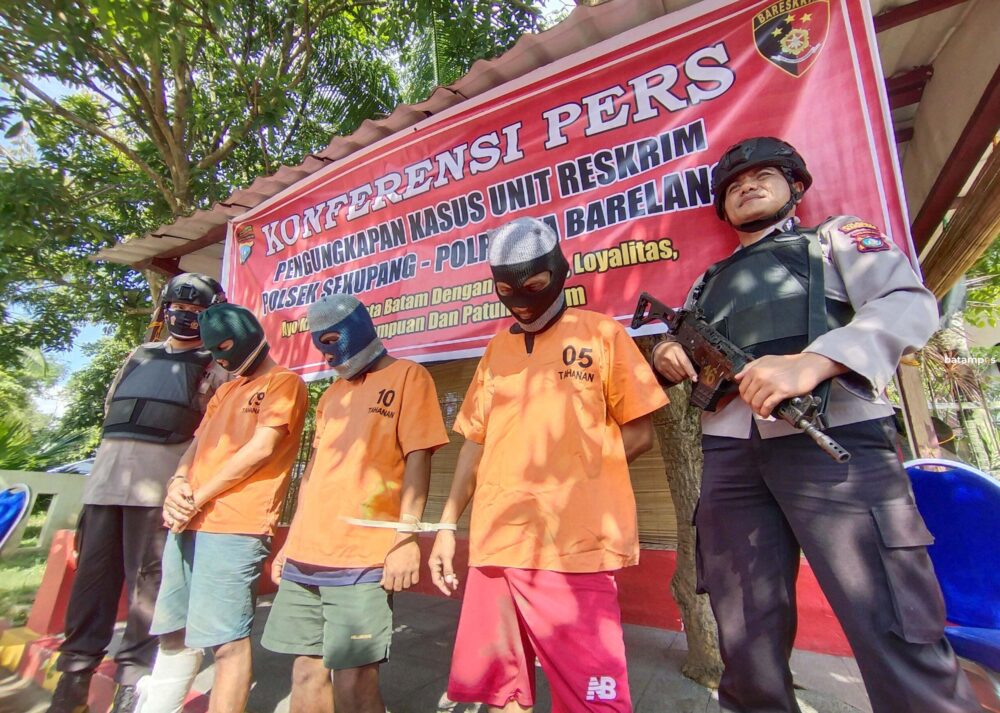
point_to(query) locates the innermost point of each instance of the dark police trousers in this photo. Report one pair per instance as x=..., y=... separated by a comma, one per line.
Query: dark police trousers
x=118, y=545
x=763, y=500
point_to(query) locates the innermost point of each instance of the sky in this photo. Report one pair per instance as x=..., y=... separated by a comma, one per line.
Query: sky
x=53, y=401
x=552, y=9
x=75, y=358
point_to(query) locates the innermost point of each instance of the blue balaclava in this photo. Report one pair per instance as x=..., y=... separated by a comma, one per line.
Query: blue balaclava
x=358, y=347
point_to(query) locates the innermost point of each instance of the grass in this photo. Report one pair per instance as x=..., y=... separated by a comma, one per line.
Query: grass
x=21, y=572
x=20, y=577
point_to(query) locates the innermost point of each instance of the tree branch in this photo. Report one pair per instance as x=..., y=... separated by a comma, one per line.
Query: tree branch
x=133, y=88
x=263, y=150
x=157, y=179
x=182, y=88
x=296, y=121
x=235, y=137
x=172, y=155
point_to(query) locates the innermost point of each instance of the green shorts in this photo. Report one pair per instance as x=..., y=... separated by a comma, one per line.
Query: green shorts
x=349, y=626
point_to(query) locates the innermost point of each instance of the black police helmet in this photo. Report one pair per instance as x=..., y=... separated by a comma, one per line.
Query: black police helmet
x=756, y=153
x=193, y=288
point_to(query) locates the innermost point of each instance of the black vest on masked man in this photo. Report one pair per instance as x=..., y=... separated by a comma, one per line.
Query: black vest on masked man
x=155, y=398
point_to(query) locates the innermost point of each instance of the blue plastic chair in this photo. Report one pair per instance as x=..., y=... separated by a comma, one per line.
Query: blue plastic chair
x=961, y=506
x=14, y=502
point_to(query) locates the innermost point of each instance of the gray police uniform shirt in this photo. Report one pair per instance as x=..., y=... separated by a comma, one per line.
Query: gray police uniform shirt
x=893, y=314
x=135, y=473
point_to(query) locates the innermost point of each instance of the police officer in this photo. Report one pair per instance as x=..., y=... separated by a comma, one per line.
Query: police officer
x=841, y=302
x=151, y=412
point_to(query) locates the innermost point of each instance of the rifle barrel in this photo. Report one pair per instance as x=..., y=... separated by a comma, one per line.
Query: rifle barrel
x=829, y=446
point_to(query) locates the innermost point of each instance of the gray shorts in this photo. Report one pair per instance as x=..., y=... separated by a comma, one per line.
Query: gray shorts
x=348, y=626
x=209, y=586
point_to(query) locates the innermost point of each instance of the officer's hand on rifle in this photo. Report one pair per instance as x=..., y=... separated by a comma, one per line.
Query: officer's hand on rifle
x=670, y=360
x=769, y=380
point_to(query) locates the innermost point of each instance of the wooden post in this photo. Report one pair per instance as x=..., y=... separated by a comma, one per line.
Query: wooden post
x=678, y=431
x=919, y=427
x=154, y=330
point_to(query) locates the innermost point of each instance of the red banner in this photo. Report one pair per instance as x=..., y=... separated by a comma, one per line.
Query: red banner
x=612, y=146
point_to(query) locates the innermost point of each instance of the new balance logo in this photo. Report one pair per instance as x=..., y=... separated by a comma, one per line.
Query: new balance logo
x=602, y=687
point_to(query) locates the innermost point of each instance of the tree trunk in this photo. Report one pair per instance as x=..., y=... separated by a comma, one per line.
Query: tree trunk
x=678, y=430
x=156, y=281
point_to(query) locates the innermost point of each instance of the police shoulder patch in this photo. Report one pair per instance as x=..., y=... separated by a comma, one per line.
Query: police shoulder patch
x=867, y=238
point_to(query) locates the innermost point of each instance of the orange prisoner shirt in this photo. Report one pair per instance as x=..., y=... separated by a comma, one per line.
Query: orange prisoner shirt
x=364, y=430
x=252, y=506
x=553, y=489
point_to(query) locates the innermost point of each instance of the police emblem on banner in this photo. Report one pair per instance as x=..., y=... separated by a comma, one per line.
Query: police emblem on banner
x=790, y=34
x=244, y=241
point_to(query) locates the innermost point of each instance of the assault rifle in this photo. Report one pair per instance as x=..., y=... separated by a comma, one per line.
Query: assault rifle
x=717, y=361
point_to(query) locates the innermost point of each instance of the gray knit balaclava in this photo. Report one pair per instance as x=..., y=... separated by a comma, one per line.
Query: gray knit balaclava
x=520, y=249
x=358, y=346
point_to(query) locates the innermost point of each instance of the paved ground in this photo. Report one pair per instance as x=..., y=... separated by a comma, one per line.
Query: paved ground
x=17, y=696
x=414, y=681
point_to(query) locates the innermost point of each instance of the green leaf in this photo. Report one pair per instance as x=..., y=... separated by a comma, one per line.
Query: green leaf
x=15, y=130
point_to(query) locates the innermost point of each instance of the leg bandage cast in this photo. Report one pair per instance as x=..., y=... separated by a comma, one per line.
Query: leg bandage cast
x=165, y=689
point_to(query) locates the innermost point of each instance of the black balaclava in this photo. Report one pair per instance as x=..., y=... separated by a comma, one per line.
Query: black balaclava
x=228, y=321
x=520, y=249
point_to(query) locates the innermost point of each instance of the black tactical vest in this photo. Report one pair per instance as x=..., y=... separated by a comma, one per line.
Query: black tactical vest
x=769, y=298
x=155, y=398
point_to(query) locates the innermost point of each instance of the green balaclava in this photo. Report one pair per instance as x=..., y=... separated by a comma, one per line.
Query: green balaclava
x=222, y=322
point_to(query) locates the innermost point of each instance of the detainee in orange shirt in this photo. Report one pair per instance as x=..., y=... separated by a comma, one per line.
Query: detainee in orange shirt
x=222, y=506
x=560, y=404
x=376, y=428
